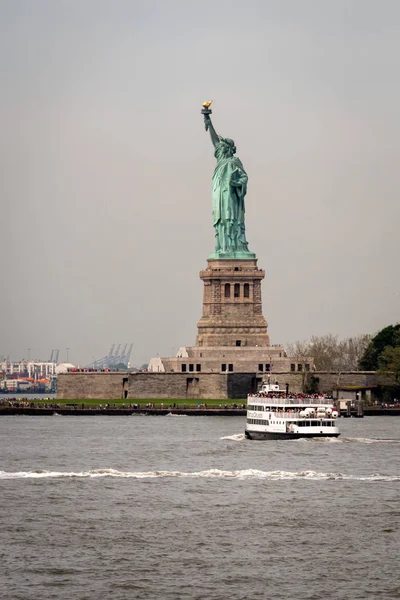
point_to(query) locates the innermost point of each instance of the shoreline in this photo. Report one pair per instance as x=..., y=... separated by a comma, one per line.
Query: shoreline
x=190, y=412
x=193, y=412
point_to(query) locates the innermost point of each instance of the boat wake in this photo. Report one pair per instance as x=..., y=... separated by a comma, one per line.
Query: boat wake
x=348, y=440
x=239, y=437
x=236, y=437
x=370, y=441
x=208, y=474
x=174, y=415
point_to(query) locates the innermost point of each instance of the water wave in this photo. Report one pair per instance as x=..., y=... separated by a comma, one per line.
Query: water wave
x=350, y=440
x=209, y=474
x=174, y=415
x=239, y=437
x=371, y=440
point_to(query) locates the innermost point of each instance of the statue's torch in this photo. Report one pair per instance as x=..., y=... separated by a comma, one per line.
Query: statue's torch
x=206, y=111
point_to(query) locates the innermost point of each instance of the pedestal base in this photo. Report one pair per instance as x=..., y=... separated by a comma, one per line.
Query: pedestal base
x=232, y=309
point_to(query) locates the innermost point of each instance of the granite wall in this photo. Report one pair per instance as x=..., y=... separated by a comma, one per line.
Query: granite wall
x=84, y=386
x=109, y=386
x=178, y=385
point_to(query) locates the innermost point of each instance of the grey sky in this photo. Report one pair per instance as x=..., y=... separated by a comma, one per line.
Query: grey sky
x=106, y=168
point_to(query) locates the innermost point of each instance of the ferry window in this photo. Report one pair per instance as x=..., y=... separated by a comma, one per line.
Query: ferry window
x=230, y=367
x=227, y=290
x=223, y=367
x=191, y=367
x=267, y=367
x=246, y=290
x=307, y=367
x=238, y=342
x=236, y=290
x=260, y=367
x=183, y=368
x=198, y=367
x=299, y=367
x=292, y=367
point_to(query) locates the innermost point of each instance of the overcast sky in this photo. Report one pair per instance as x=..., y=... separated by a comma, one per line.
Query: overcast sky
x=106, y=169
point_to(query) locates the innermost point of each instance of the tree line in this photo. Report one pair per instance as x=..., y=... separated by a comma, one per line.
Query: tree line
x=379, y=352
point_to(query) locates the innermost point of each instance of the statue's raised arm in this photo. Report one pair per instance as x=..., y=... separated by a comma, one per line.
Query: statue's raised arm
x=210, y=128
x=206, y=112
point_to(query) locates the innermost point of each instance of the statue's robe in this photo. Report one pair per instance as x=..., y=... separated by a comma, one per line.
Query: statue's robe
x=228, y=201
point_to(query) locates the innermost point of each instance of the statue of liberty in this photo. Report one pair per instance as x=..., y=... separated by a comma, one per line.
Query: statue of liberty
x=228, y=193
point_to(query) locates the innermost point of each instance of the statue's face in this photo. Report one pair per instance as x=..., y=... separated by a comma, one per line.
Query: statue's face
x=230, y=147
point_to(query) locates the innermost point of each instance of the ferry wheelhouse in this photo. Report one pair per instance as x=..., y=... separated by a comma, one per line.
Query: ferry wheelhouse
x=274, y=414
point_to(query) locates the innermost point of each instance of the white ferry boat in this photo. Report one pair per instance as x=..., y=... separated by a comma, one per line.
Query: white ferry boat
x=273, y=414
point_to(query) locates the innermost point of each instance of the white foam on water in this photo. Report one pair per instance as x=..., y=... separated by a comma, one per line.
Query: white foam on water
x=236, y=437
x=370, y=440
x=345, y=440
x=208, y=474
x=318, y=440
x=174, y=415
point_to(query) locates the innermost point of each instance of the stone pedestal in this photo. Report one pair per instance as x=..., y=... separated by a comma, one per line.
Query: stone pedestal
x=232, y=308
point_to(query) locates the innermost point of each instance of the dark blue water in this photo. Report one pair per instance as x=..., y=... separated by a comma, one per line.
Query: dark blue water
x=186, y=508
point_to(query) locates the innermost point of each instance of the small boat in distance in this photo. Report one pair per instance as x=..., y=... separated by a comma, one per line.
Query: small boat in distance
x=275, y=414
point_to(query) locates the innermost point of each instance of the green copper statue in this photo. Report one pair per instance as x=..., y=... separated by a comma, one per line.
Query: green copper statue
x=229, y=189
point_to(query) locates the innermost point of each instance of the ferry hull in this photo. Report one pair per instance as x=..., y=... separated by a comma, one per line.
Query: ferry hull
x=270, y=435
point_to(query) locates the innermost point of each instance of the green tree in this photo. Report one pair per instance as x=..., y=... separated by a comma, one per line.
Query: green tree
x=388, y=337
x=389, y=363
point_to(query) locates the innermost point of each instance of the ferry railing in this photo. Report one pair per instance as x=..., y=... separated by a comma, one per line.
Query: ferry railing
x=296, y=415
x=284, y=415
x=293, y=415
x=288, y=401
